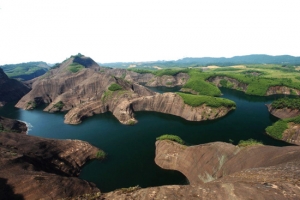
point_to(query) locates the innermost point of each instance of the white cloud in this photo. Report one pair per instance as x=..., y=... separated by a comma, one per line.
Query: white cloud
x=131, y=30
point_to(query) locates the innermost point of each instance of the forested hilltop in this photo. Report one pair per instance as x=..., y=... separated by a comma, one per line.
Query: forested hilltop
x=25, y=71
x=206, y=61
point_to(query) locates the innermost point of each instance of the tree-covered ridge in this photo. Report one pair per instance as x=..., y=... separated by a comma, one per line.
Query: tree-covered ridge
x=25, y=71
x=286, y=103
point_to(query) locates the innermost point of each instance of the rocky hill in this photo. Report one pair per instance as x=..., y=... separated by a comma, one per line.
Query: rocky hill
x=10, y=89
x=25, y=71
x=224, y=171
x=82, y=88
x=37, y=168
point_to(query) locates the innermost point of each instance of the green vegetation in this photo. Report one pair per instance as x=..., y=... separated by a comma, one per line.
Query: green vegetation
x=57, y=65
x=131, y=122
x=106, y=95
x=31, y=104
x=174, y=138
x=277, y=129
x=250, y=142
x=25, y=71
x=75, y=67
x=160, y=72
x=115, y=87
x=1, y=127
x=286, y=103
x=197, y=83
x=197, y=100
x=59, y=105
x=100, y=154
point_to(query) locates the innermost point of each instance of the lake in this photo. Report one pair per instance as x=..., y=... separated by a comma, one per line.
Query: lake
x=131, y=149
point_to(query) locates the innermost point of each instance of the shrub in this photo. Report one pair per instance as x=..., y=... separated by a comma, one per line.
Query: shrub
x=198, y=100
x=100, y=154
x=59, y=105
x=250, y=142
x=115, y=87
x=174, y=138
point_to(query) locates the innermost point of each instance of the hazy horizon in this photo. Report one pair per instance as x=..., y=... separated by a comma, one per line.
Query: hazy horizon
x=141, y=31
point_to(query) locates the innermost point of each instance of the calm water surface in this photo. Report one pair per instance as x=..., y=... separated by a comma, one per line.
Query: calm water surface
x=131, y=149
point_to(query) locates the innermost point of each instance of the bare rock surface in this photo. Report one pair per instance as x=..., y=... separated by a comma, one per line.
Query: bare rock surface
x=230, y=172
x=292, y=134
x=283, y=113
x=282, y=90
x=234, y=83
x=10, y=89
x=168, y=81
x=172, y=103
x=38, y=168
x=12, y=125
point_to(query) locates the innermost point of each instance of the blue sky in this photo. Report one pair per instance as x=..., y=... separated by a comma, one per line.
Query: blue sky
x=118, y=30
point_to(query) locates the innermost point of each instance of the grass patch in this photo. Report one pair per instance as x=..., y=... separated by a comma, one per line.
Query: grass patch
x=75, y=67
x=174, y=138
x=115, y=87
x=286, y=103
x=198, y=100
x=100, y=154
x=250, y=142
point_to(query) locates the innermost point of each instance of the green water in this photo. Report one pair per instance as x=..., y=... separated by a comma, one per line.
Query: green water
x=131, y=149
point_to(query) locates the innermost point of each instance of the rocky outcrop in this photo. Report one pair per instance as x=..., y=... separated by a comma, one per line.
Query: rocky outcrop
x=124, y=105
x=292, y=134
x=10, y=89
x=283, y=113
x=282, y=90
x=231, y=83
x=38, y=168
x=12, y=125
x=168, y=81
x=171, y=103
x=223, y=171
x=86, y=93
x=150, y=79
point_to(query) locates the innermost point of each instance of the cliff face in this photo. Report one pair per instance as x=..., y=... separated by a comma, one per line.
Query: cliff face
x=168, y=81
x=283, y=112
x=223, y=171
x=172, y=103
x=35, y=168
x=10, y=89
x=282, y=90
x=234, y=84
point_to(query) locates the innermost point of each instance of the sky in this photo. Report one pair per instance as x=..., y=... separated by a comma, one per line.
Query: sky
x=140, y=30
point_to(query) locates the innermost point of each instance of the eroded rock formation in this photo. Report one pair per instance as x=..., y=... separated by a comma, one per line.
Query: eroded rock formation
x=223, y=171
x=234, y=84
x=283, y=113
x=38, y=168
x=10, y=89
x=86, y=93
x=282, y=90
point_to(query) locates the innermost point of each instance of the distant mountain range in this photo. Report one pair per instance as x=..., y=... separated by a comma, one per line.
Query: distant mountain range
x=205, y=61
